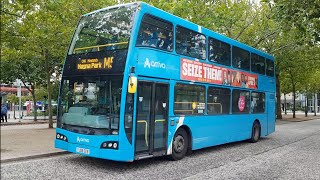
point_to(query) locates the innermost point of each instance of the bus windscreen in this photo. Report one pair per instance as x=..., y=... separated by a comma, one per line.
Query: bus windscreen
x=91, y=105
x=104, y=30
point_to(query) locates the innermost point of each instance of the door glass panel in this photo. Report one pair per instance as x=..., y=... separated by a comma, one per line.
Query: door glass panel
x=128, y=116
x=160, y=120
x=143, y=116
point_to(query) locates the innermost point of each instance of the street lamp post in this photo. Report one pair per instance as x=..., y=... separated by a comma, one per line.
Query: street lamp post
x=19, y=95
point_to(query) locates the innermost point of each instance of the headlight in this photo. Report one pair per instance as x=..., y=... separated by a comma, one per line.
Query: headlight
x=109, y=145
x=61, y=137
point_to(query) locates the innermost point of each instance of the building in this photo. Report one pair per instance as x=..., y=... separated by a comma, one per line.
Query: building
x=313, y=102
x=10, y=89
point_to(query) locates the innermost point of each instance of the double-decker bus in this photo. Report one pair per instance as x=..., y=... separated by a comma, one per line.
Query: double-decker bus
x=139, y=82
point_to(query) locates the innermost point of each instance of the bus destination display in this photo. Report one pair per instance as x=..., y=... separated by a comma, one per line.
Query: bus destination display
x=95, y=63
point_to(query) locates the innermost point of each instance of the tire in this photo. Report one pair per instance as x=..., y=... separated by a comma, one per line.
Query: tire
x=180, y=145
x=256, y=132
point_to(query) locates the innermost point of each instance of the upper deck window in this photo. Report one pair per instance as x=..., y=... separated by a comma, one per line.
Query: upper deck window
x=155, y=32
x=258, y=64
x=240, y=58
x=270, y=68
x=219, y=52
x=104, y=30
x=190, y=43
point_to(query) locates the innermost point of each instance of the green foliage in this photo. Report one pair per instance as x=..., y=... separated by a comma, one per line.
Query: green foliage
x=299, y=51
x=41, y=93
x=37, y=31
x=35, y=35
x=12, y=98
x=303, y=15
x=25, y=99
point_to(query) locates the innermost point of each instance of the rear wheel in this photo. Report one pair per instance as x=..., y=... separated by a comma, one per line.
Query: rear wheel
x=256, y=130
x=179, y=145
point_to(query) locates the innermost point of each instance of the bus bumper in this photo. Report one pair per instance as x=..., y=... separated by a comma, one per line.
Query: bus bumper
x=110, y=154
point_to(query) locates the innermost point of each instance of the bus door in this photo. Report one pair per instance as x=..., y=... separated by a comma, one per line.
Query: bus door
x=151, y=118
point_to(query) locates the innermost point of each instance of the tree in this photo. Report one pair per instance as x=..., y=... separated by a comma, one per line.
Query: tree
x=39, y=32
x=24, y=69
x=300, y=21
x=303, y=15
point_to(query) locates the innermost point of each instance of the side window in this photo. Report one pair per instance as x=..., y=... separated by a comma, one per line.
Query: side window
x=240, y=101
x=270, y=68
x=155, y=32
x=257, y=102
x=240, y=58
x=219, y=52
x=258, y=64
x=190, y=43
x=189, y=99
x=218, y=100
x=128, y=116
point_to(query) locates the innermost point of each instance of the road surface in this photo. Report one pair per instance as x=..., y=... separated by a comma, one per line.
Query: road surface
x=293, y=152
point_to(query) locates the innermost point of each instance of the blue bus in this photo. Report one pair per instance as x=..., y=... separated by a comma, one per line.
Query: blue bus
x=139, y=82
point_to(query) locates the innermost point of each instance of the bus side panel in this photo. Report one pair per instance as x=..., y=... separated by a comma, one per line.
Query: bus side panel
x=271, y=112
x=154, y=63
x=266, y=84
x=214, y=130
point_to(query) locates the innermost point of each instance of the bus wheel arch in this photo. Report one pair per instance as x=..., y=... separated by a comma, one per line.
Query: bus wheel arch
x=188, y=131
x=255, y=131
x=181, y=143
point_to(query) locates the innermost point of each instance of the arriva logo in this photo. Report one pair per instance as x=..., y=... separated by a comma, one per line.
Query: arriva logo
x=82, y=140
x=154, y=64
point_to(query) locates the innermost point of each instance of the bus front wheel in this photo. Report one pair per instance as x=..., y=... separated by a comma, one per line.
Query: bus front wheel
x=256, y=130
x=179, y=145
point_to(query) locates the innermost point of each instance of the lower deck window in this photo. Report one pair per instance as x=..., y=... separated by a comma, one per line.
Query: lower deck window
x=257, y=102
x=240, y=101
x=218, y=101
x=189, y=99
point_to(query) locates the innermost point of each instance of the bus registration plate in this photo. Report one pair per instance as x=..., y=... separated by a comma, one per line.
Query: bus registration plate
x=83, y=150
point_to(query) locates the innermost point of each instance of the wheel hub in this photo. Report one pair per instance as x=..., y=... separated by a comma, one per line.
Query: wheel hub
x=178, y=144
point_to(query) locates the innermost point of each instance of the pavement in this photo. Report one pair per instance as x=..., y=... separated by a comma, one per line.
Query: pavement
x=27, y=139
x=300, y=117
x=22, y=142
x=15, y=120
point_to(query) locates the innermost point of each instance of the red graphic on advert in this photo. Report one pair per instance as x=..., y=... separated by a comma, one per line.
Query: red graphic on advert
x=202, y=72
x=241, y=103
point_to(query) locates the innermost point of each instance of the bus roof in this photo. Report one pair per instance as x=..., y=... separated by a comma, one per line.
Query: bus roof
x=112, y=7
x=190, y=25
